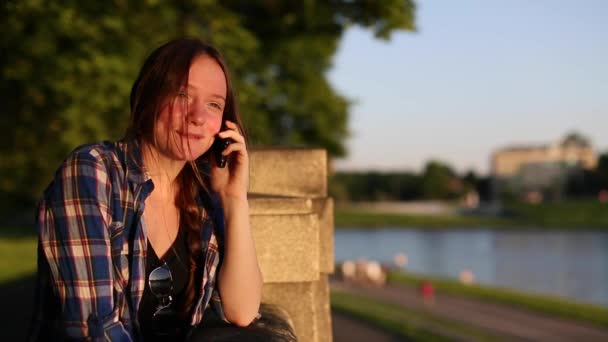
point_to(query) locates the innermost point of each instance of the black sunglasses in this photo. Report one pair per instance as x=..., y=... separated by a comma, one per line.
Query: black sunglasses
x=161, y=286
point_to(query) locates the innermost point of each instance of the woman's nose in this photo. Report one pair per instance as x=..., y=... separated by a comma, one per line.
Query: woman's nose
x=197, y=114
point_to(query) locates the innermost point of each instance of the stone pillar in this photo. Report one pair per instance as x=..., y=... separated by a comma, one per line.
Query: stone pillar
x=292, y=221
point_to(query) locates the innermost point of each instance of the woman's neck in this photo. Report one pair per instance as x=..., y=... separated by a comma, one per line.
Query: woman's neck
x=163, y=171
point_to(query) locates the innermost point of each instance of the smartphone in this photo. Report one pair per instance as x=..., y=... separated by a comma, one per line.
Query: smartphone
x=219, y=145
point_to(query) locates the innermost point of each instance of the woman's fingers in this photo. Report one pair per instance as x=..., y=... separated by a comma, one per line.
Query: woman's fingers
x=233, y=147
x=232, y=135
x=232, y=132
x=231, y=125
x=238, y=141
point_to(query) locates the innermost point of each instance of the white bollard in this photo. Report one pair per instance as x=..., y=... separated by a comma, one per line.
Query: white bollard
x=400, y=260
x=466, y=276
x=348, y=270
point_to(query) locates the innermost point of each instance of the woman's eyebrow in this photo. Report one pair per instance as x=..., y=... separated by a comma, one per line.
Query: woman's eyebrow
x=221, y=97
x=218, y=97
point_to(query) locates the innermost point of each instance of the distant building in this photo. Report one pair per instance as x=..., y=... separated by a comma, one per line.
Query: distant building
x=533, y=171
x=573, y=150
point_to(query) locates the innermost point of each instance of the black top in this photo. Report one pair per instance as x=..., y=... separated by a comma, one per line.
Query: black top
x=177, y=258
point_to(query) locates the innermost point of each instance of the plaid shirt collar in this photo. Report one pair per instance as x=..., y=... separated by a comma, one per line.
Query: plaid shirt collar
x=131, y=154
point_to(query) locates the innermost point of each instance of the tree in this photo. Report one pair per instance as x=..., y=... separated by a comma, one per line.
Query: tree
x=576, y=139
x=588, y=183
x=602, y=170
x=439, y=181
x=67, y=68
x=478, y=183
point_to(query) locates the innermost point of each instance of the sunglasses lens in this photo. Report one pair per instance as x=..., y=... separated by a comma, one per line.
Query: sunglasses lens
x=161, y=281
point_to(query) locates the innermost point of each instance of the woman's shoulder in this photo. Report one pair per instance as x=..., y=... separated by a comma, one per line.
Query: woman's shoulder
x=91, y=158
x=86, y=167
x=99, y=151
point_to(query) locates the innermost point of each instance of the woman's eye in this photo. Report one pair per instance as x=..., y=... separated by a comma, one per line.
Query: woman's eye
x=184, y=98
x=216, y=105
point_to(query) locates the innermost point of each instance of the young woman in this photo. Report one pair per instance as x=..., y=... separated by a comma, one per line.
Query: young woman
x=140, y=238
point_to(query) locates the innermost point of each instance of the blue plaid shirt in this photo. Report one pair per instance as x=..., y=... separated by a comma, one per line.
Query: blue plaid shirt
x=92, y=247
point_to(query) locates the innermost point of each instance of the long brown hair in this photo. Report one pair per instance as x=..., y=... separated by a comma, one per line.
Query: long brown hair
x=164, y=72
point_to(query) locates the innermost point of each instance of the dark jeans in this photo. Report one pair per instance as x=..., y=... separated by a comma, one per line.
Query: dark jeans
x=272, y=326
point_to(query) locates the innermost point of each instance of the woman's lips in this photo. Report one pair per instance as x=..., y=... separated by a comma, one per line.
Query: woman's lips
x=190, y=135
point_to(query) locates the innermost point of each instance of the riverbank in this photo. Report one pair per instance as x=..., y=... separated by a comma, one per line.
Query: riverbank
x=402, y=310
x=407, y=324
x=571, y=215
x=538, y=303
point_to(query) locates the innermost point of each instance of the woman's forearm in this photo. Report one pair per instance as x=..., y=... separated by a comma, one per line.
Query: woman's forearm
x=240, y=278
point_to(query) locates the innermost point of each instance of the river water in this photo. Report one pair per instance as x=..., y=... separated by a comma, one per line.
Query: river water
x=569, y=264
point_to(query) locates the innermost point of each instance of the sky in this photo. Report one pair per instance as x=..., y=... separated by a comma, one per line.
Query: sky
x=475, y=77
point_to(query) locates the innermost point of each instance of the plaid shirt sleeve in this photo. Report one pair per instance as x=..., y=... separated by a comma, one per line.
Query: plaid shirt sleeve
x=218, y=241
x=73, y=230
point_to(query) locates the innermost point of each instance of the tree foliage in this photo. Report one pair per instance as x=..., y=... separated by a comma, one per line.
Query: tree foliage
x=436, y=181
x=439, y=181
x=588, y=183
x=375, y=186
x=67, y=68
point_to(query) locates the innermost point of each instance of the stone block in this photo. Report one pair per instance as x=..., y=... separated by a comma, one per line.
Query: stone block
x=320, y=294
x=298, y=300
x=287, y=246
x=324, y=208
x=275, y=205
x=289, y=172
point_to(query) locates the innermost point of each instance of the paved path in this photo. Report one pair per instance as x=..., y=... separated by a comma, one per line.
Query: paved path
x=501, y=320
x=348, y=329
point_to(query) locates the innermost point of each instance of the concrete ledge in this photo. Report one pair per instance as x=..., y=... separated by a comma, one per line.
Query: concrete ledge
x=293, y=228
x=320, y=290
x=289, y=172
x=287, y=246
x=274, y=205
x=298, y=300
x=324, y=208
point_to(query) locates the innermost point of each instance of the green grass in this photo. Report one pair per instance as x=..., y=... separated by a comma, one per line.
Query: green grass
x=539, y=303
x=357, y=218
x=584, y=214
x=17, y=232
x=581, y=213
x=18, y=255
x=401, y=321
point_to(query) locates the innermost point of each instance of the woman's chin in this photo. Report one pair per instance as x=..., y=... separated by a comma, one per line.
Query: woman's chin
x=192, y=150
x=187, y=156
x=186, y=153
x=177, y=154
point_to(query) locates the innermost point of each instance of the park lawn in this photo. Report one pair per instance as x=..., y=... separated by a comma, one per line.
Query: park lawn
x=357, y=218
x=539, y=303
x=406, y=323
x=581, y=213
x=18, y=255
x=575, y=215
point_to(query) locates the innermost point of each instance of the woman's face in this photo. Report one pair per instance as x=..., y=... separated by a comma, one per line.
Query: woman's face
x=188, y=123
